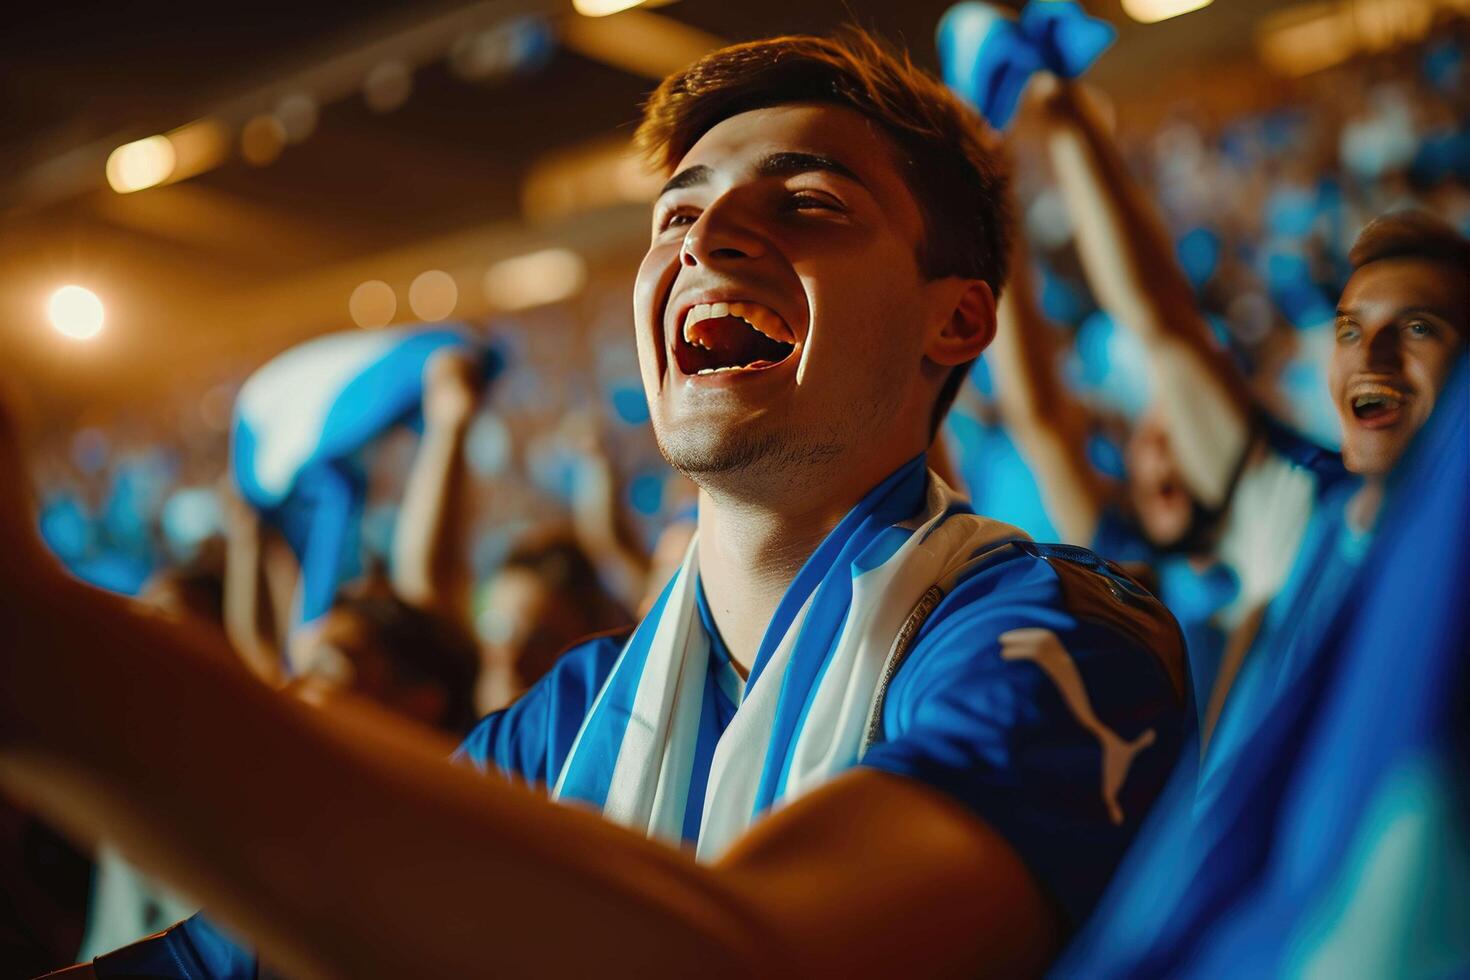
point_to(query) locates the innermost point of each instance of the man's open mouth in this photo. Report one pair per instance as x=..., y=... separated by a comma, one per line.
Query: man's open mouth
x=1377, y=405
x=719, y=338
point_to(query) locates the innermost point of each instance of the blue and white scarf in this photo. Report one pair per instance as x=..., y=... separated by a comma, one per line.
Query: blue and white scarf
x=301, y=421
x=810, y=703
x=988, y=55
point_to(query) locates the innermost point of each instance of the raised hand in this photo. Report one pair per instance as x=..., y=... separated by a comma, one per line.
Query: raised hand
x=452, y=387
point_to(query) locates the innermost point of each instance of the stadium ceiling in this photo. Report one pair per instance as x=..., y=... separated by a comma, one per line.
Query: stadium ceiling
x=239, y=259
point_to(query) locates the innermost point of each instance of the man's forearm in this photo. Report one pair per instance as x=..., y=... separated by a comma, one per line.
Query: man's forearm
x=248, y=618
x=348, y=852
x=1130, y=265
x=429, y=564
x=1043, y=418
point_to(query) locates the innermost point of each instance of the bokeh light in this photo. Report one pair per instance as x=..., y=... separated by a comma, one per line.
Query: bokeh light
x=548, y=276
x=372, y=304
x=262, y=140
x=601, y=8
x=433, y=295
x=387, y=86
x=298, y=113
x=140, y=164
x=76, y=312
x=1153, y=11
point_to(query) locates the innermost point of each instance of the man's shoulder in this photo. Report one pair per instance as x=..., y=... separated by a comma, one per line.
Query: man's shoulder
x=1022, y=584
x=1286, y=444
x=528, y=738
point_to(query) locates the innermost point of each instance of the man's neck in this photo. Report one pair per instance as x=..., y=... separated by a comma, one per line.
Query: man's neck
x=1362, y=508
x=749, y=552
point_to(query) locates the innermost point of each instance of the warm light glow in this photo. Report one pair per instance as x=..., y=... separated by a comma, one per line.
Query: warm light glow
x=387, y=86
x=198, y=146
x=637, y=41
x=262, y=139
x=1312, y=36
x=599, y=174
x=76, y=312
x=143, y=163
x=601, y=8
x=433, y=295
x=548, y=276
x=298, y=113
x=1153, y=11
x=372, y=304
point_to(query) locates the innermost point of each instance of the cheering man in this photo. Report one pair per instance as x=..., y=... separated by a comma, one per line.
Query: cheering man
x=862, y=731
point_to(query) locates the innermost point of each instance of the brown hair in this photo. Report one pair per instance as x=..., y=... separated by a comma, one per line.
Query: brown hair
x=1411, y=234
x=951, y=162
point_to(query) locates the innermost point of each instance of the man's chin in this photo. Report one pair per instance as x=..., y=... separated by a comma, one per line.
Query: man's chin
x=705, y=453
x=1371, y=461
x=708, y=451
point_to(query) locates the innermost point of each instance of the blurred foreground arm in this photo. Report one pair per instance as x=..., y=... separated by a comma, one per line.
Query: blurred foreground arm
x=1131, y=267
x=1048, y=425
x=430, y=567
x=361, y=853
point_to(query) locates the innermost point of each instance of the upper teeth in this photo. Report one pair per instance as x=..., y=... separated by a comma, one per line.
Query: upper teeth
x=754, y=314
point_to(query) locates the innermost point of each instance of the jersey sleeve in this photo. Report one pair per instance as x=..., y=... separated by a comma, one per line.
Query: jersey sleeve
x=528, y=740
x=531, y=739
x=194, y=949
x=1045, y=694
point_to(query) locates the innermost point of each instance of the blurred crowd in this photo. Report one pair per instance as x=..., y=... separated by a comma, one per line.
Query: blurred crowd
x=1263, y=208
x=572, y=520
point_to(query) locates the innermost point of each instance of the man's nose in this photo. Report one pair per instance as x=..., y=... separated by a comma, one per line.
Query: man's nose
x=1384, y=353
x=723, y=233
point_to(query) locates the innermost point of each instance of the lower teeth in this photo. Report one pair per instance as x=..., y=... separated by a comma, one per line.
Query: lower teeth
x=724, y=370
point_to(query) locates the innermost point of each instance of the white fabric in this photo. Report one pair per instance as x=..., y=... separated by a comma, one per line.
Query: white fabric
x=652, y=774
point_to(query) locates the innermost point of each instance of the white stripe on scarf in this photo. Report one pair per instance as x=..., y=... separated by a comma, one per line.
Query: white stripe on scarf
x=646, y=787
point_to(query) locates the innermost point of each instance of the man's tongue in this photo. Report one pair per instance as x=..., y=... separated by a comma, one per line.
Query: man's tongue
x=1377, y=411
x=728, y=343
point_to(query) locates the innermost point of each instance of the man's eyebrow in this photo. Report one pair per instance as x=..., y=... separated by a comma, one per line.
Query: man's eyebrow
x=791, y=163
x=691, y=177
x=699, y=174
x=1351, y=312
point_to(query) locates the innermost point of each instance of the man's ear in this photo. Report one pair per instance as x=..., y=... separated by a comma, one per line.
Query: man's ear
x=970, y=327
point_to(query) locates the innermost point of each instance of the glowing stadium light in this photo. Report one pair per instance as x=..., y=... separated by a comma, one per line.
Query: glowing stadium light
x=1309, y=37
x=372, y=304
x=298, y=113
x=601, y=8
x=433, y=295
x=548, y=276
x=76, y=312
x=1153, y=11
x=387, y=86
x=198, y=146
x=262, y=139
x=142, y=163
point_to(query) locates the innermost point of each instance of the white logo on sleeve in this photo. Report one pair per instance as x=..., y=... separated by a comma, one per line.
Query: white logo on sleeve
x=1043, y=648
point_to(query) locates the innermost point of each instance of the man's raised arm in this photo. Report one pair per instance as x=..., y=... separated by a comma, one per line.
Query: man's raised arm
x=1047, y=423
x=356, y=853
x=430, y=567
x=1131, y=267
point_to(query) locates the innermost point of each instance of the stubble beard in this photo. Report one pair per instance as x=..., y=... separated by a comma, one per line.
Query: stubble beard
x=769, y=457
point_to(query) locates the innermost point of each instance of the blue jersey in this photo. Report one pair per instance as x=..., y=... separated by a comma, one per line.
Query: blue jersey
x=1060, y=746
x=1277, y=497
x=1328, y=833
x=996, y=734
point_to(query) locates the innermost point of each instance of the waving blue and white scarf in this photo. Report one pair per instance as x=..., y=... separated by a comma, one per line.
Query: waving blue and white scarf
x=300, y=422
x=988, y=57
x=809, y=705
